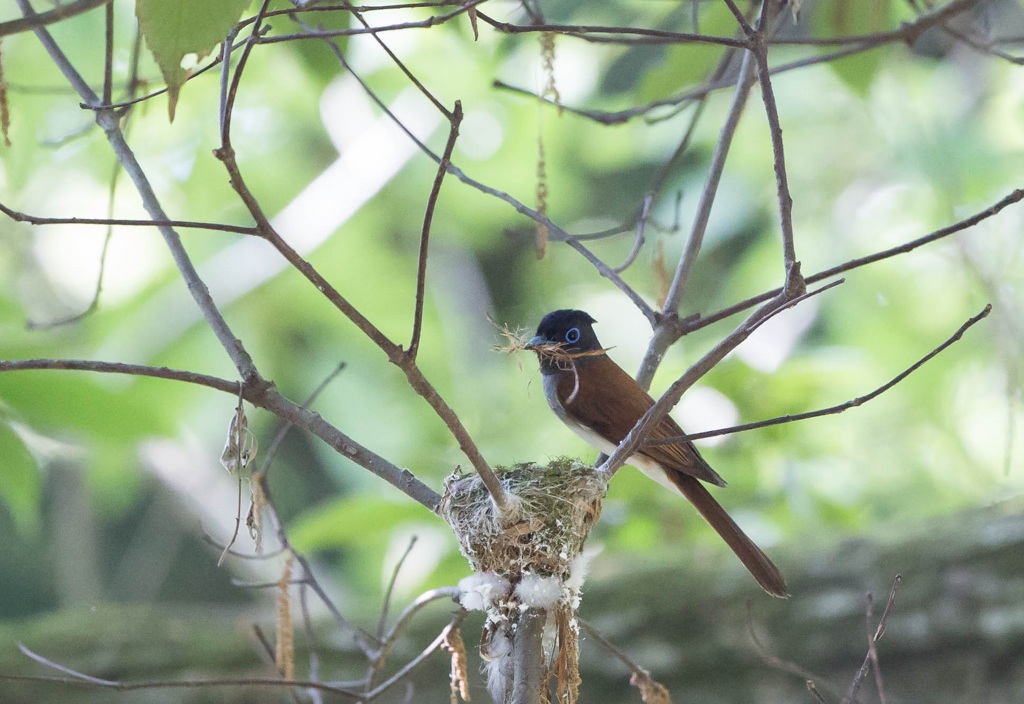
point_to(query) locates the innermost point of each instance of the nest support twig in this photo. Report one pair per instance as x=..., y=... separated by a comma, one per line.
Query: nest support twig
x=532, y=560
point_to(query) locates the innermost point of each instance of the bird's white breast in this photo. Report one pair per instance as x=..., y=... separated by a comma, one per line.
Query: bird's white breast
x=645, y=464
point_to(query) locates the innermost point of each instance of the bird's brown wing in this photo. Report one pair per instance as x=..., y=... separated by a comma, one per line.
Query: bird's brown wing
x=613, y=416
x=613, y=412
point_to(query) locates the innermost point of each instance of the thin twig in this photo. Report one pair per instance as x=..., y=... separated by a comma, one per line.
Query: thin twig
x=556, y=232
x=358, y=14
x=1014, y=197
x=635, y=438
x=707, y=197
x=124, y=222
x=63, y=668
x=365, y=640
x=638, y=243
x=387, y=641
x=617, y=117
x=286, y=427
x=624, y=33
x=80, y=678
x=858, y=679
x=609, y=646
x=36, y=21
x=759, y=48
x=740, y=17
x=421, y=601
x=908, y=32
x=396, y=355
x=108, y=121
x=385, y=606
x=772, y=660
x=212, y=382
x=435, y=191
x=108, y=54
x=838, y=408
x=405, y=671
x=268, y=650
x=432, y=21
x=263, y=396
x=108, y=236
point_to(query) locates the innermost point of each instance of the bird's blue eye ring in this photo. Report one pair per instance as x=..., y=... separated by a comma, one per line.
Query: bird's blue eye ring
x=572, y=335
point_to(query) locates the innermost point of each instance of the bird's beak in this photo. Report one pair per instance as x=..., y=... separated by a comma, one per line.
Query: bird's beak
x=534, y=341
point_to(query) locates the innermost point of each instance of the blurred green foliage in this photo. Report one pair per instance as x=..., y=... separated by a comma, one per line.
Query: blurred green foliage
x=881, y=149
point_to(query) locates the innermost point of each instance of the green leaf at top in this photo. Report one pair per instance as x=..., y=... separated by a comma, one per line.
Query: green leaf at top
x=176, y=28
x=843, y=19
x=20, y=484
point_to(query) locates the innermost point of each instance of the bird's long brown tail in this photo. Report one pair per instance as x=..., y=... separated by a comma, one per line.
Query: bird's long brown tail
x=763, y=569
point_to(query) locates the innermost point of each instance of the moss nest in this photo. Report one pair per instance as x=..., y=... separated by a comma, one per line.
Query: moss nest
x=553, y=508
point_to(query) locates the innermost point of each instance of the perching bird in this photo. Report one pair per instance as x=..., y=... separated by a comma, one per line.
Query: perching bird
x=601, y=403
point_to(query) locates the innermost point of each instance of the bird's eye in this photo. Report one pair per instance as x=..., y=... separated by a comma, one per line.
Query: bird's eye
x=572, y=335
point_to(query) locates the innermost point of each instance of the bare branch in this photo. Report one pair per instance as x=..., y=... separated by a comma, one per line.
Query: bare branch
x=435, y=191
x=386, y=602
x=79, y=678
x=774, y=661
x=1014, y=197
x=123, y=222
x=858, y=679
x=396, y=355
x=759, y=48
x=838, y=408
x=638, y=243
x=707, y=196
x=355, y=31
x=268, y=459
x=907, y=32
x=108, y=120
x=625, y=34
x=33, y=21
x=617, y=117
x=212, y=382
x=671, y=397
x=389, y=640
x=265, y=396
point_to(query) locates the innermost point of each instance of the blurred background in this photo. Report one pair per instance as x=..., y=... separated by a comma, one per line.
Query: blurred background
x=108, y=484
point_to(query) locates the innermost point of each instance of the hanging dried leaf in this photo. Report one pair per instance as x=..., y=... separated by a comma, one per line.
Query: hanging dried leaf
x=651, y=692
x=661, y=275
x=5, y=111
x=542, y=198
x=454, y=645
x=241, y=445
x=254, y=521
x=547, y=52
x=285, y=650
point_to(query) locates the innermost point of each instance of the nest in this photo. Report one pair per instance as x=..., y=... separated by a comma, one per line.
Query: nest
x=555, y=506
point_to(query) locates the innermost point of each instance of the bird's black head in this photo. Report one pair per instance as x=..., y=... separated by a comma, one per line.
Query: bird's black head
x=571, y=330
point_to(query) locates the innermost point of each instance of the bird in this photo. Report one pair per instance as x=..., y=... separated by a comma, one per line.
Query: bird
x=601, y=403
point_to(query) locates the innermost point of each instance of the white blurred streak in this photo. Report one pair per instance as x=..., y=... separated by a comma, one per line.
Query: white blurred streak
x=210, y=496
x=209, y=493
x=366, y=164
x=704, y=408
x=771, y=344
x=432, y=544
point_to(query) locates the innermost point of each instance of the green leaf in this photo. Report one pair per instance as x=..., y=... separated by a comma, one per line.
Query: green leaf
x=176, y=28
x=846, y=19
x=19, y=480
